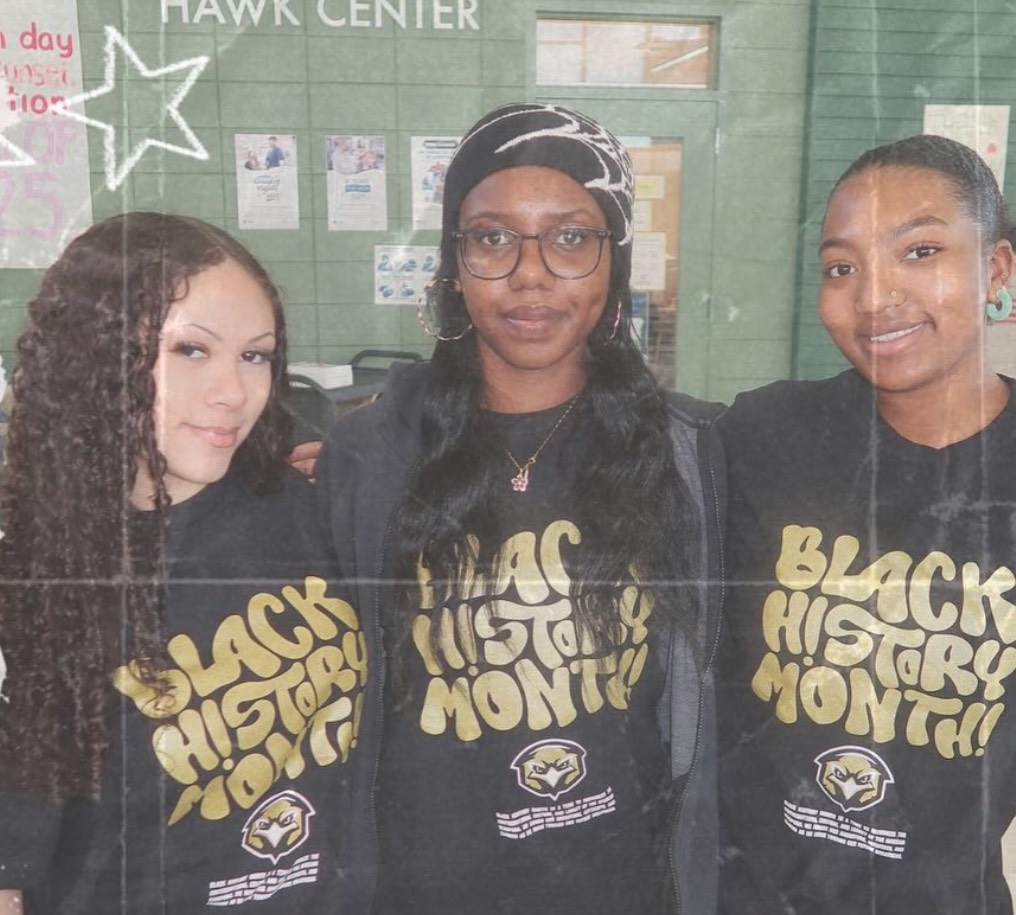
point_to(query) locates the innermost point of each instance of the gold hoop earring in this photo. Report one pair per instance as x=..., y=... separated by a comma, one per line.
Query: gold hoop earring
x=617, y=321
x=613, y=331
x=425, y=299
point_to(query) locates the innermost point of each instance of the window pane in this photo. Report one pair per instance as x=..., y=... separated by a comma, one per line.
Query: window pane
x=610, y=53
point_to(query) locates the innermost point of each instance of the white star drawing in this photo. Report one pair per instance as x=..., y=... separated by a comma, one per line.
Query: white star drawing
x=115, y=174
x=18, y=157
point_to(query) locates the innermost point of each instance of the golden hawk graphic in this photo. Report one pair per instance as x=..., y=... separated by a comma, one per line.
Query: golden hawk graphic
x=550, y=768
x=854, y=778
x=279, y=826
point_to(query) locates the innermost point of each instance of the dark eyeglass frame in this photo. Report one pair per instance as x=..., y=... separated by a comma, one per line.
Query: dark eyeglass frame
x=601, y=234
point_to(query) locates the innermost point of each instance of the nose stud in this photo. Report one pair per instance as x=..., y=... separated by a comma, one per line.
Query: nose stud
x=892, y=293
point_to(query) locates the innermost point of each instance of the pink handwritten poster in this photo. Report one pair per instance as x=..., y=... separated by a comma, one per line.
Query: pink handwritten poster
x=45, y=198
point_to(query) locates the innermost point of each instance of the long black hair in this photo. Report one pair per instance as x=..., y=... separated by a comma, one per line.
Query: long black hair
x=80, y=568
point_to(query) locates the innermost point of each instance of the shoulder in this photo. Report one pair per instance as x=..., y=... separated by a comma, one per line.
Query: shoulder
x=792, y=404
x=698, y=451
x=231, y=518
x=393, y=420
x=369, y=453
x=691, y=411
x=293, y=493
x=691, y=425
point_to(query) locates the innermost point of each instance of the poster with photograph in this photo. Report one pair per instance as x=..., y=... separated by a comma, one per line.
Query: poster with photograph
x=45, y=196
x=401, y=272
x=429, y=158
x=357, y=190
x=267, y=189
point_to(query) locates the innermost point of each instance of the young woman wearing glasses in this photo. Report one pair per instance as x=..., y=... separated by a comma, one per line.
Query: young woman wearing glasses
x=533, y=523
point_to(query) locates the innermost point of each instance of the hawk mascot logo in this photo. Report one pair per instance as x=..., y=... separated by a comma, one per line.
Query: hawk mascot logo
x=550, y=768
x=279, y=826
x=854, y=778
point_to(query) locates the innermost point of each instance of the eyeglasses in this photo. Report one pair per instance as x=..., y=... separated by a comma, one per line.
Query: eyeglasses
x=569, y=252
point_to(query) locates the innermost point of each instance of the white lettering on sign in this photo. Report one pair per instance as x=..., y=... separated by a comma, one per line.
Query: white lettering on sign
x=439, y=15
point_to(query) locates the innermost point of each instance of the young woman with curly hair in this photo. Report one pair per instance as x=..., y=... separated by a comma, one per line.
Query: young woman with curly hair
x=181, y=680
x=534, y=533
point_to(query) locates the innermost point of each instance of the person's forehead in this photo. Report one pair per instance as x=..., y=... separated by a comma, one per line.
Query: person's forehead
x=881, y=199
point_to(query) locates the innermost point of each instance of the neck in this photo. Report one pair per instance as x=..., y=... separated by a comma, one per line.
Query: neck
x=530, y=392
x=939, y=418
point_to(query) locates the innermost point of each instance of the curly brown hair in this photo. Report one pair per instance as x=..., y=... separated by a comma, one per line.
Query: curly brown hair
x=80, y=569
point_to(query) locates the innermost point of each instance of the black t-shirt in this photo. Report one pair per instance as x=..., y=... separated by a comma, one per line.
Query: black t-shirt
x=522, y=770
x=229, y=790
x=868, y=757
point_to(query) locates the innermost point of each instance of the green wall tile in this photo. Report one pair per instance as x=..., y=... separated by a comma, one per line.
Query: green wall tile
x=754, y=25
x=343, y=283
x=352, y=60
x=245, y=59
x=293, y=245
x=302, y=324
x=356, y=109
x=439, y=109
x=296, y=280
x=304, y=353
x=763, y=70
x=18, y=287
x=196, y=195
x=12, y=322
x=283, y=105
x=504, y=63
x=361, y=325
x=418, y=56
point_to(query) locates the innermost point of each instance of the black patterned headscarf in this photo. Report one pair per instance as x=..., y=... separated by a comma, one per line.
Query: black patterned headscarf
x=555, y=137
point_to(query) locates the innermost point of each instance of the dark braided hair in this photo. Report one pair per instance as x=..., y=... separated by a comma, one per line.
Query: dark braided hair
x=80, y=569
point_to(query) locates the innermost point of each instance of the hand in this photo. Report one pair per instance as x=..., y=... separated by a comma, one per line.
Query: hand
x=304, y=459
x=10, y=902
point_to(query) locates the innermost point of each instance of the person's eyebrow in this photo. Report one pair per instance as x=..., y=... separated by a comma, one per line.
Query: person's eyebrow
x=212, y=333
x=266, y=334
x=194, y=325
x=898, y=231
x=917, y=223
x=563, y=217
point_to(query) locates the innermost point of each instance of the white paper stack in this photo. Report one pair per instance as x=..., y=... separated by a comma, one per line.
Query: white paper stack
x=328, y=376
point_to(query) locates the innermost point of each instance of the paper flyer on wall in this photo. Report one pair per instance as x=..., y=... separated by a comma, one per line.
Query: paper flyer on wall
x=401, y=272
x=984, y=128
x=45, y=195
x=267, y=188
x=357, y=187
x=429, y=158
x=649, y=261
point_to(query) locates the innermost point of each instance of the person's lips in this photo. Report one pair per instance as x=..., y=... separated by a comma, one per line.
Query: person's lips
x=217, y=436
x=532, y=320
x=889, y=340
